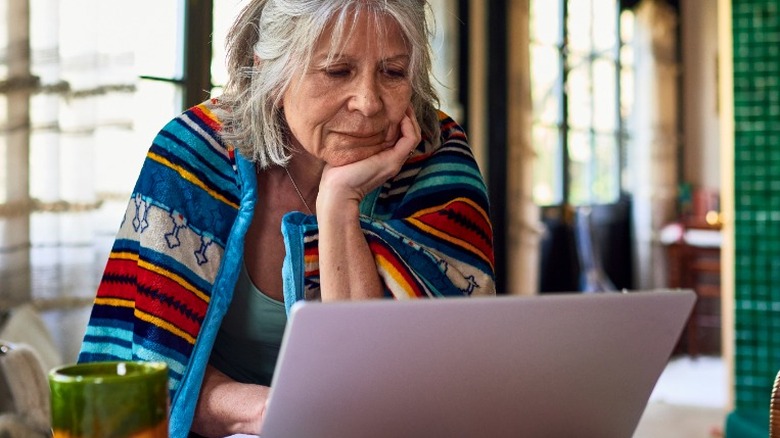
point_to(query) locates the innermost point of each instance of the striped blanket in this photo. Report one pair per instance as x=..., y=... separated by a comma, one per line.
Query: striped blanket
x=176, y=257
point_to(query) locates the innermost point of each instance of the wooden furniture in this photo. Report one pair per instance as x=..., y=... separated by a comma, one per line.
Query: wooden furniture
x=694, y=263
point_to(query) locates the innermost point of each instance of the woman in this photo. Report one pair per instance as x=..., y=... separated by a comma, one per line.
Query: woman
x=328, y=132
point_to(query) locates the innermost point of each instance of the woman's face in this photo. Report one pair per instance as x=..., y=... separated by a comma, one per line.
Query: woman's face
x=349, y=108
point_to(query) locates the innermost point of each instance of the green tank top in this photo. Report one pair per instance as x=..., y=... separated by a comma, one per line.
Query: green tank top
x=248, y=341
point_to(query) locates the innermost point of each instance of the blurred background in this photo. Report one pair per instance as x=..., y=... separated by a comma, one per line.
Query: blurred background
x=627, y=144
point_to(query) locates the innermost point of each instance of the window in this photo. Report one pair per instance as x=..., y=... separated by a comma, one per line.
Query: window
x=581, y=87
x=225, y=12
x=159, y=57
x=84, y=88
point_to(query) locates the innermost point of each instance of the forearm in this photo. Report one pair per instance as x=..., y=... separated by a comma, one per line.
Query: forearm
x=226, y=407
x=347, y=268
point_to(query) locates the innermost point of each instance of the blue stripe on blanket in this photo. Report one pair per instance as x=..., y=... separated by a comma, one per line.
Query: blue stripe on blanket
x=162, y=182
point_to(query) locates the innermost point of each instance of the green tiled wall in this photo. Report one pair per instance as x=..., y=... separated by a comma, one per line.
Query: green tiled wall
x=756, y=27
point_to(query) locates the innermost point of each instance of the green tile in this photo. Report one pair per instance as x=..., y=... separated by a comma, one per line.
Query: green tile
x=756, y=36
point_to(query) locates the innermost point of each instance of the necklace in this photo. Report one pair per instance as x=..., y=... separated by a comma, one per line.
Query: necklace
x=298, y=191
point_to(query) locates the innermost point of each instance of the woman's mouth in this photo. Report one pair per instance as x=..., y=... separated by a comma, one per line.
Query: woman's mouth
x=361, y=134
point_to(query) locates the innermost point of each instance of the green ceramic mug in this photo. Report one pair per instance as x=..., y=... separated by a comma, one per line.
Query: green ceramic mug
x=110, y=399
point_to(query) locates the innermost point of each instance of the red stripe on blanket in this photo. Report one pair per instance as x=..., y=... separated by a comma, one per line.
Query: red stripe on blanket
x=119, y=280
x=461, y=222
x=170, y=301
x=152, y=293
x=207, y=118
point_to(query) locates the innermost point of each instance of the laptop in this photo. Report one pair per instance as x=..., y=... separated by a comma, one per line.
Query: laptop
x=558, y=365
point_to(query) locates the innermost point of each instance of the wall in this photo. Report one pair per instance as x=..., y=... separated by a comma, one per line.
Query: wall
x=726, y=104
x=700, y=125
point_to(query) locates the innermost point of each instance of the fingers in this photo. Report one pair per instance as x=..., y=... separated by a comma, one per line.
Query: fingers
x=410, y=128
x=410, y=135
x=390, y=161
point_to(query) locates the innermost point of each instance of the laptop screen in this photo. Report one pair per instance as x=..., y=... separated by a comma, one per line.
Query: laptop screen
x=550, y=365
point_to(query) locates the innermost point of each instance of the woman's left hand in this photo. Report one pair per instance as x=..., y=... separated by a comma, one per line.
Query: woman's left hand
x=354, y=180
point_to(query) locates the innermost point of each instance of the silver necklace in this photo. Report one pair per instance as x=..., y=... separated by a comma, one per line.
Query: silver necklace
x=298, y=191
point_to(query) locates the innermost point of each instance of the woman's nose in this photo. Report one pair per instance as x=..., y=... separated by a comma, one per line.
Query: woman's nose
x=366, y=97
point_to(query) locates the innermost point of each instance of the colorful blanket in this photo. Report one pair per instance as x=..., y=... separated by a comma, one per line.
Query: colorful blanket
x=174, y=263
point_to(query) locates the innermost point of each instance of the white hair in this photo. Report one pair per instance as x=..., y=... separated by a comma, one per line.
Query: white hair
x=272, y=40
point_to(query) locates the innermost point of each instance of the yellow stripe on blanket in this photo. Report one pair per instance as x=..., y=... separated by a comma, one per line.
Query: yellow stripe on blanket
x=114, y=302
x=393, y=272
x=187, y=175
x=165, y=325
x=124, y=255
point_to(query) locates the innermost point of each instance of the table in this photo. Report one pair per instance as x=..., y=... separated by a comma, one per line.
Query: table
x=693, y=261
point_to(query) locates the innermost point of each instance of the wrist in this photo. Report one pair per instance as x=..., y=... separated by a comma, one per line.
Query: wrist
x=333, y=209
x=261, y=394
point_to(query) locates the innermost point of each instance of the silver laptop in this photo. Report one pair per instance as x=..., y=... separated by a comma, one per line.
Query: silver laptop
x=562, y=365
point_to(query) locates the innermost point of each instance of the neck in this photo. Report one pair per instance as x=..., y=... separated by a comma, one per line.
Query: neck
x=307, y=172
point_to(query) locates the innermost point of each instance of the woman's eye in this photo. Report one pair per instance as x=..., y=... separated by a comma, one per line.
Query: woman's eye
x=337, y=72
x=395, y=73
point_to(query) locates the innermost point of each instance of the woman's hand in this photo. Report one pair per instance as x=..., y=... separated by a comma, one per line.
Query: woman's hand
x=347, y=267
x=226, y=407
x=353, y=181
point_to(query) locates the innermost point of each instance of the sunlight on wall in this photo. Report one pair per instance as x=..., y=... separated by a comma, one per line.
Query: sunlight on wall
x=3, y=110
x=3, y=165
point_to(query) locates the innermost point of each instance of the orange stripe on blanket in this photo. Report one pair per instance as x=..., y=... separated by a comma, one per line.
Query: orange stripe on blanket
x=388, y=262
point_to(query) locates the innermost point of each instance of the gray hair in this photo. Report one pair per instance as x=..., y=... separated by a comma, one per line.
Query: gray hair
x=281, y=35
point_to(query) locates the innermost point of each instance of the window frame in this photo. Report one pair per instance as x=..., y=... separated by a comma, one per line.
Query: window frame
x=195, y=81
x=563, y=180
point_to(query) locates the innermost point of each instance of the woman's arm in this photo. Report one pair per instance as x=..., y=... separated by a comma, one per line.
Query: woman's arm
x=347, y=266
x=429, y=230
x=226, y=407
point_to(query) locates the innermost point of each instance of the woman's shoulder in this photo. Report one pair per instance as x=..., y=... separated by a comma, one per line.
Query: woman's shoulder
x=201, y=120
x=195, y=131
x=191, y=143
x=451, y=151
x=450, y=129
x=451, y=134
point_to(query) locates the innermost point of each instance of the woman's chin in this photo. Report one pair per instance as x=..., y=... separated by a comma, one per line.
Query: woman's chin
x=355, y=154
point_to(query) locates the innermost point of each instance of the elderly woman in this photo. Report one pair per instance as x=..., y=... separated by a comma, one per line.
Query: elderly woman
x=324, y=172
